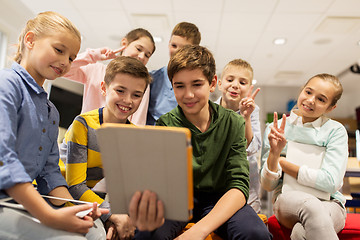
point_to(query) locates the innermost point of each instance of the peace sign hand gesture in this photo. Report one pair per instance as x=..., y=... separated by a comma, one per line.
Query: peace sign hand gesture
x=276, y=136
x=247, y=104
x=107, y=53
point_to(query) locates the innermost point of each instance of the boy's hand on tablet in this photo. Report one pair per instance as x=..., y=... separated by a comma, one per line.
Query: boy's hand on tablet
x=146, y=212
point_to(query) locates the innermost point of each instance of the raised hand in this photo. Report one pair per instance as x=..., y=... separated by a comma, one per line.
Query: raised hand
x=247, y=104
x=97, y=212
x=146, y=212
x=276, y=136
x=107, y=53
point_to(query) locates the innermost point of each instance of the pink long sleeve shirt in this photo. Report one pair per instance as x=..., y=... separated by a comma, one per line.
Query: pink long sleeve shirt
x=86, y=70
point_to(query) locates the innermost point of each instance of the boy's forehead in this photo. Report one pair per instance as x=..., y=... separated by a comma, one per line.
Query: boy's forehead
x=121, y=78
x=237, y=70
x=188, y=75
x=181, y=40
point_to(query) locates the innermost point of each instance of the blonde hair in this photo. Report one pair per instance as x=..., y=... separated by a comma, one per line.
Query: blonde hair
x=189, y=31
x=192, y=57
x=334, y=80
x=126, y=65
x=241, y=64
x=45, y=24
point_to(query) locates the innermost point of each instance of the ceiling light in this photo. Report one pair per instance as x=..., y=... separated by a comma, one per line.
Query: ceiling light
x=158, y=39
x=279, y=41
x=254, y=81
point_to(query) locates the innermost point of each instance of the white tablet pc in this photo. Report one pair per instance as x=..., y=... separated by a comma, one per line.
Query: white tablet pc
x=152, y=158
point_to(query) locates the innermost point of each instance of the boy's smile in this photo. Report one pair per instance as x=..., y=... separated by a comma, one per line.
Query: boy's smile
x=123, y=97
x=235, y=84
x=192, y=90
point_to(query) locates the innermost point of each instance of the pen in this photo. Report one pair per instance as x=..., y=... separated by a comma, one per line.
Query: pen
x=65, y=199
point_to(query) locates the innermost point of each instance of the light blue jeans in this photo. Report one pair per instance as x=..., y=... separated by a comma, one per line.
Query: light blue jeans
x=17, y=224
x=308, y=217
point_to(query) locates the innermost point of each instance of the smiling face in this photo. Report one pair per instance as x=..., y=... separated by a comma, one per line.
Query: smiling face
x=50, y=56
x=315, y=99
x=234, y=84
x=192, y=90
x=123, y=96
x=141, y=49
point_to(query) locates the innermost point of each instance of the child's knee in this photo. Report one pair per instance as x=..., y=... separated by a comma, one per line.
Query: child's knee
x=97, y=232
x=254, y=233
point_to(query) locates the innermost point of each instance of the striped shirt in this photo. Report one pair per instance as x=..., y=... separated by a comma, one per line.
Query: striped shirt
x=83, y=160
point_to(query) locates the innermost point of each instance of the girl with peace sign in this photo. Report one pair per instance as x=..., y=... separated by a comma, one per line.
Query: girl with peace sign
x=87, y=69
x=308, y=216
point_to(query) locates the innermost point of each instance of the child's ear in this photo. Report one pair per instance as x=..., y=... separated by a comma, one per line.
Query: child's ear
x=331, y=108
x=29, y=39
x=103, y=88
x=213, y=84
x=124, y=42
x=219, y=83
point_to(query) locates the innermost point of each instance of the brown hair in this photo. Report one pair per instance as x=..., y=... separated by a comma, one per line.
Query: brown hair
x=44, y=24
x=334, y=80
x=192, y=57
x=189, y=31
x=138, y=33
x=126, y=65
x=241, y=64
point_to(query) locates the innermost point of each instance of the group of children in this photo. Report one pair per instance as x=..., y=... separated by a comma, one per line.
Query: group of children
x=225, y=137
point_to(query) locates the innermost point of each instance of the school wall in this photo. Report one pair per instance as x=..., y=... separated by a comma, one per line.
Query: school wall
x=12, y=29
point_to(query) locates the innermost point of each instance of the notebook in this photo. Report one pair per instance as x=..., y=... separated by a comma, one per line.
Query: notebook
x=156, y=158
x=304, y=154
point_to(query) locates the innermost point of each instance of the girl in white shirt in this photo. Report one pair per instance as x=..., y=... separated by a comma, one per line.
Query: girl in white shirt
x=308, y=216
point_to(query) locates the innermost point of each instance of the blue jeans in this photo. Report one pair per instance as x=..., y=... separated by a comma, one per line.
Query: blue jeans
x=244, y=224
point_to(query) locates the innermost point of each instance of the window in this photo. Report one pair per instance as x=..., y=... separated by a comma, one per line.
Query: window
x=2, y=49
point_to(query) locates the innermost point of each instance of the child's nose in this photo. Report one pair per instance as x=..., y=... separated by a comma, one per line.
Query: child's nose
x=141, y=56
x=127, y=98
x=189, y=93
x=65, y=62
x=312, y=99
x=236, y=84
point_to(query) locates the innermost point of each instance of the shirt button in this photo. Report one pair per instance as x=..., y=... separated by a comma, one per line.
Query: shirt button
x=44, y=130
x=54, y=122
x=1, y=163
x=40, y=148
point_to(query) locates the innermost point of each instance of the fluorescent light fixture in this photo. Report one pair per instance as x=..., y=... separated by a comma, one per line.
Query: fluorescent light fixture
x=279, y=41
x=158, y=39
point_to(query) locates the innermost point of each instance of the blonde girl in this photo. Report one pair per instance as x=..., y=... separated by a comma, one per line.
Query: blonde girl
x=28, y=141
x=87, y=70
x=309, y=217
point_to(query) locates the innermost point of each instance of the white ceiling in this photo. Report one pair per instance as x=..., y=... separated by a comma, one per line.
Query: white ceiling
x=322, y=35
